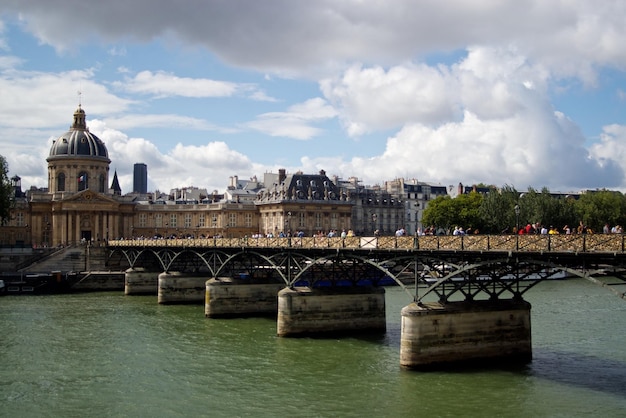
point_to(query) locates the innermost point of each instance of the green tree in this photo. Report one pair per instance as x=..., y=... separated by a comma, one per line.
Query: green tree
x=497, y=210
x=468, y=211
x=463, y=211
x=595, y=209
x=438, y=213
x=6, y=192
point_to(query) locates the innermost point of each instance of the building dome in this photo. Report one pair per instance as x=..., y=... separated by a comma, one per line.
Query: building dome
x=78, y=141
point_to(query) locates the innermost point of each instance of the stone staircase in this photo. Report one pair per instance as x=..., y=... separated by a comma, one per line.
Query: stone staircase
x=71, y=259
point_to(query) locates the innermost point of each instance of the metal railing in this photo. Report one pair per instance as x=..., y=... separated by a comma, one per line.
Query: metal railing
x=584, y=243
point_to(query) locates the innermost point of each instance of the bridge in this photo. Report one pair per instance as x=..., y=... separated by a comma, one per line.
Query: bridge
x=465, y=292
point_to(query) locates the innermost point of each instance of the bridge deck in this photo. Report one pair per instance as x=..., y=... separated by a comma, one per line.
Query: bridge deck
x=586, y=243
x=470, y=264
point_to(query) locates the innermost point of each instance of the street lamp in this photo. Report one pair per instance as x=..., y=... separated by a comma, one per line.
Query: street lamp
x=517, y=210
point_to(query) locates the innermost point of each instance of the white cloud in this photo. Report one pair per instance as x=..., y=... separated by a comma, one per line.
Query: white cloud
x=296, y=121
x=174, y=121
x=162, y=84
x=374, y=99
x=32, y=98
x=505, y=132
x=183, y=165
x=612, y=147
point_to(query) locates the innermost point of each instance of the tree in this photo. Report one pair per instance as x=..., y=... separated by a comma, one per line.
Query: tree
x=439, y=212
x=463, y=211
x=6, y=192
x=498, y=210
x=595, y=209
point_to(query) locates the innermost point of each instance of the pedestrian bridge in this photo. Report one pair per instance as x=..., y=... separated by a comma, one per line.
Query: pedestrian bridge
x=467, y=266
x=465, y=292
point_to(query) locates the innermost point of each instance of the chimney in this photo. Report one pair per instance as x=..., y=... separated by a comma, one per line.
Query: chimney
x=281, y=175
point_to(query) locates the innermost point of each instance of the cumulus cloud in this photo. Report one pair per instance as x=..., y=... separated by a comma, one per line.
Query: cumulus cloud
x=31, y=98
x=182, y=166
x=488, y=119
x=374, y=99
x=612, y=146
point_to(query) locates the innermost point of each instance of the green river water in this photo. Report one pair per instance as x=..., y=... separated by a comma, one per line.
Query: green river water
x=111, y=355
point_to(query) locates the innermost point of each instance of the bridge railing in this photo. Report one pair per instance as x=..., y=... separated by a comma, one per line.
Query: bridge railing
x=614, y=243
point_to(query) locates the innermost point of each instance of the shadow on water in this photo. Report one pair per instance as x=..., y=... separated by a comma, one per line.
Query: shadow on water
x=565, y=368
x=574, y=369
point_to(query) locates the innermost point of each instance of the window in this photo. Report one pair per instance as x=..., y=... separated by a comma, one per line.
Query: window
x=187, y=220
x=333, y=220
x=158, y=220
x=232, y=219
x=61, y=182
x=318, y=220
x=101, y=184
x=201, y=220
x=19, y=219
x=83, y=181
x=248, y=219
x=173, y=220
x=301, y=220
x=143, y=218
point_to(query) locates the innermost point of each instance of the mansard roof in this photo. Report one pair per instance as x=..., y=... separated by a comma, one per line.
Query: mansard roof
x=303, y=188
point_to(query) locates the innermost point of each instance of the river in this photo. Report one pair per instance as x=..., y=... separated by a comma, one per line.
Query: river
x=111, y=355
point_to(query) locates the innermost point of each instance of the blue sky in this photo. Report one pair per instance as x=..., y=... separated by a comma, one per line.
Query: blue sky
x=524, y=93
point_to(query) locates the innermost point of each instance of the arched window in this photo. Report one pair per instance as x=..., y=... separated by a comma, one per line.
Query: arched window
x=83, y=181
x=61, y=182
x=101, y=184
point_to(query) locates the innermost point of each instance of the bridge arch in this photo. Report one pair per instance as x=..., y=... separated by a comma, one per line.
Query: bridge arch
x=495, y=278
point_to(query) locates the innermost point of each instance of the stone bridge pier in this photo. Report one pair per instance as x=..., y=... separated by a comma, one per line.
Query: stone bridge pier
x=436, y=334
x=337, y=310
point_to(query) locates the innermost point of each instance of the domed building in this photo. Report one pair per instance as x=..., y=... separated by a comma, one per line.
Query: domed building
x=78, y=160
x=78, y=205
x=82, y=205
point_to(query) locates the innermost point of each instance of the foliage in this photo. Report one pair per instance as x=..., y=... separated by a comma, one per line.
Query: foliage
x=6, y=192
x=494, y=212
x=463, y=211
x=595, y=209
x=498, y=210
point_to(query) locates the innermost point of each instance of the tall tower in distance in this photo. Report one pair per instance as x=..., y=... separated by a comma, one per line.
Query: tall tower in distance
x=140, y=178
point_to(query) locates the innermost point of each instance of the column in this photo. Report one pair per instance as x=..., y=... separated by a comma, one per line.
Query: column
x=77, y=226
x=64, y=233
x=97, y=227
x=112, y=226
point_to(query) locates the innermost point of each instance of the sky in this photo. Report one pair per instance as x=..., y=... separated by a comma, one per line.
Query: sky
x=525, y=93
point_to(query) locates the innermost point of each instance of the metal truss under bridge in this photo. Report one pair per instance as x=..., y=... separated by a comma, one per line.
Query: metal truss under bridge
x=448, y=268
